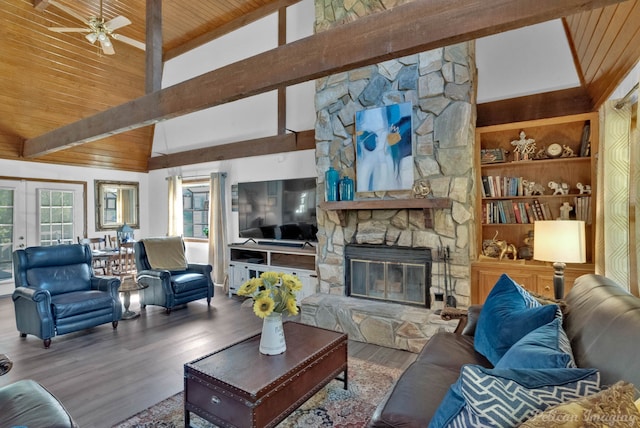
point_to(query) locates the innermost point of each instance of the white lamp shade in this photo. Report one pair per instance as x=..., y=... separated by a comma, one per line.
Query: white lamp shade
x=559, y=241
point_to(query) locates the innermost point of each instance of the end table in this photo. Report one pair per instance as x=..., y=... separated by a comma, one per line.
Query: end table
x=126, y=288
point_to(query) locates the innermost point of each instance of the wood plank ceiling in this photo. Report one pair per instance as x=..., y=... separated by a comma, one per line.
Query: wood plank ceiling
x=51, y=79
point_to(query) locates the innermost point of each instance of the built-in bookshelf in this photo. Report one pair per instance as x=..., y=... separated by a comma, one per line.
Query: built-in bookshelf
x=550, y=176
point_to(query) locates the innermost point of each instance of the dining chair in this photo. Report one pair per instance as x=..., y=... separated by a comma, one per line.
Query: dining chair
x=100, y=264
x=111, y=241
x=124, y=266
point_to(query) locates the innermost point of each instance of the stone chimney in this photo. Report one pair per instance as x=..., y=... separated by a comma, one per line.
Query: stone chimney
x=441, y=86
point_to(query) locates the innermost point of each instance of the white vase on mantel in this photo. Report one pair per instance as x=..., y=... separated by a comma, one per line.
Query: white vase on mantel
x=272, y=340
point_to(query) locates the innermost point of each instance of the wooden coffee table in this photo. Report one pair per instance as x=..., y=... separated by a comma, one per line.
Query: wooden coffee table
x=239, y=387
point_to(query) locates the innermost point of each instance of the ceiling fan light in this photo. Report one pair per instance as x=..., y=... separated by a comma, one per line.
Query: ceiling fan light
x=92, y=37
x=102, y=37
x=107, y=42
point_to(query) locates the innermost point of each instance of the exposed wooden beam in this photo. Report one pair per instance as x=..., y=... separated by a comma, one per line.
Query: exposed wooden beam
x=574, y=53
x=153, y=51
x=538, y=106
x=407, y=29
x=303, y=140
x=248, y=18
x=40, y=5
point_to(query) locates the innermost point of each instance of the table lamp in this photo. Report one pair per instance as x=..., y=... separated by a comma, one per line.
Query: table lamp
x=560, y=242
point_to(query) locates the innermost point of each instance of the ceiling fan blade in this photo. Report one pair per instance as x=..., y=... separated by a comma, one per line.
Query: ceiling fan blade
x=69, y=30
x=69, y=11
x=129, y=41
x=107, y=47
x=117, y=22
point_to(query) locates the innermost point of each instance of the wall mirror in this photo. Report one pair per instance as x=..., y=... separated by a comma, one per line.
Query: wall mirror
x=116, y=204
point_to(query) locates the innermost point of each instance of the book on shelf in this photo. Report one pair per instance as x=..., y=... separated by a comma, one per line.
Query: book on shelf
x=538, y=210
x=496, y=186
x=583, y=208
x=546, y=211
x=585, y=143
x=503, y=214
x=530, y=212
x=516, y=211
x=523, y=213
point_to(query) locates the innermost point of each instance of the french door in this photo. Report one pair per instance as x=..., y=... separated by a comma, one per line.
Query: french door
x=37, y=213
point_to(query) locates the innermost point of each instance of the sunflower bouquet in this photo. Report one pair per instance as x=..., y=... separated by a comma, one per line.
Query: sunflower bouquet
x=272, y=292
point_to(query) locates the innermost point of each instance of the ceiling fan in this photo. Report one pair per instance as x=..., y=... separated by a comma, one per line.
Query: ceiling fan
x=98, y=29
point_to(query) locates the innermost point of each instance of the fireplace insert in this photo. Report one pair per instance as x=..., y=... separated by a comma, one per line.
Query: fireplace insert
x=388, y=273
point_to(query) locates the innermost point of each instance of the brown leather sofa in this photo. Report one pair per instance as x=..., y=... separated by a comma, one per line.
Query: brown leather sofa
x=602, y=321
x=26, y=403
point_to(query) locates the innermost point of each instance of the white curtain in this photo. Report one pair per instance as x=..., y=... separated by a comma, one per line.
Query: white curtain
x=618, y=183
x=635, y=201
x=175, y=206
x=218, y=229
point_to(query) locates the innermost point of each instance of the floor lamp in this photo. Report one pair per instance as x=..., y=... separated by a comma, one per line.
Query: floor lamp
x=560, y=242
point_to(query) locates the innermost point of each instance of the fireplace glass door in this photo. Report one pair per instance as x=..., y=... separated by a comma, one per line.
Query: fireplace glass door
x=389, y=281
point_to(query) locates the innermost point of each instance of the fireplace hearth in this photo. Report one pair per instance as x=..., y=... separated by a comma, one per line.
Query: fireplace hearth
x=388, y=273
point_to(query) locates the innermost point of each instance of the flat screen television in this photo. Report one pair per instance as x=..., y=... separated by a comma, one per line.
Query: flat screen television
x=278, y=210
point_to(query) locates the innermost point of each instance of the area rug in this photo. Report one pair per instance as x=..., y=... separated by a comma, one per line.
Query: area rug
x=332, y=406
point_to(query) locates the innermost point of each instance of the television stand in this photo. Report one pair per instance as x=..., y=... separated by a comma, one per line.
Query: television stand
x=250, y=260
x=282, y=244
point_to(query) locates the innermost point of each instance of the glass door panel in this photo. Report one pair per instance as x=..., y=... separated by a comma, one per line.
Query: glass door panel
x=6, y=233
x=36, y=213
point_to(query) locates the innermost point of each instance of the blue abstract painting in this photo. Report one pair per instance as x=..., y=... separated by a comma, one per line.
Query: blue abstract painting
x=384, y=156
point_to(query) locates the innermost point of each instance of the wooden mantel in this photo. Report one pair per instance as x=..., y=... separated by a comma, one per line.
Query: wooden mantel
x=426, y=204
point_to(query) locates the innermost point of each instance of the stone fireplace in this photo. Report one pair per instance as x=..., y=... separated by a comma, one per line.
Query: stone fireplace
x=389, y=274
x=440, y=85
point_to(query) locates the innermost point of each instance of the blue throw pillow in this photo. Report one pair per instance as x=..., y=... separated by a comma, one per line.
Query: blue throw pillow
x=546, y=347
x=508, y=314
x=507, y=397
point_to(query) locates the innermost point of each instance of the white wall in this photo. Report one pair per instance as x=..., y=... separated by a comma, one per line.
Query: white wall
x=286, y=165
x=248, y=118
x=525, y=61
x=244, y=119
x=22, y=169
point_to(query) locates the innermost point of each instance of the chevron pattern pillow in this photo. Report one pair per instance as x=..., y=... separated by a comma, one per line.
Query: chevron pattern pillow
x=507, y=397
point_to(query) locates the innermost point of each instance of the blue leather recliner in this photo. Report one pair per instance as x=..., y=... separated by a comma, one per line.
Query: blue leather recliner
x=57, y=293
x=170, y=288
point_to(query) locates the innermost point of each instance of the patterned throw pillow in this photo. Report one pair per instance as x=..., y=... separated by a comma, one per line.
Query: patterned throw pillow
x=507, y=397
x=511, y=306
x=612, y=407
x=545, y=347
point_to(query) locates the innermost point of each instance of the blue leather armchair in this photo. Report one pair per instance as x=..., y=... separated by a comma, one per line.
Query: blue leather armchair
x=57, y=293
x=171, y=288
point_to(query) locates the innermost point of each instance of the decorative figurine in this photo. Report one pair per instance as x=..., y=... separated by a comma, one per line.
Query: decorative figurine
x=526, y=251
x=585, y=189
x=422, y=189
x=499, y=248
x=567, y=152
x=559, y=188
x=531, y=188
x=524, y=147
x=542, y=153
x=565, y=209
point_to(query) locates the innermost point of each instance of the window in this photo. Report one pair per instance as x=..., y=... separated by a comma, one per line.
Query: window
x=56, y=217
x=195, y=200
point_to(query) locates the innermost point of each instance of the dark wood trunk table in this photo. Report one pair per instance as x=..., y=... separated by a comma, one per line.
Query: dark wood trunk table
x=239, y=387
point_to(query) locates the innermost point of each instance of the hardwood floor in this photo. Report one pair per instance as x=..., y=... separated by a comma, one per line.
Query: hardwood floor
x=104, y=375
